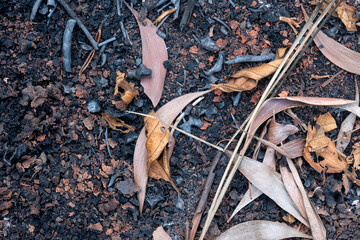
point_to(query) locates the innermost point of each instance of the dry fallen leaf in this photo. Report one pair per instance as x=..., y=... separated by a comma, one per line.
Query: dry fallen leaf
x=268, y=181
x=247, y=79
x=252, y=193
x=129, y=91
x=261, y=230
x=344, y=136
x=157, y=136
x=154, y=54
x=92, y=52
x=337, y=53
x=317, y=142
x=117, y=124
x=327, y=122
x=279, y=132
x=317, y=227
x=288, y=218
x=346, y=13
x=167, y=114
x=160, y=234
x=292, y=189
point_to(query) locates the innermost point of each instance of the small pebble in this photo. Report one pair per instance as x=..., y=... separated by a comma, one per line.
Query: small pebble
x=180, y=203
x=209, y=112
x=68, y=89
x=179, y=180
x=236, y=99
x=153, y=199
x=93, y=106
x=139, y=103
x=85, y=46
x=104, y=82
x=208, y=44
x=138, y=61
x=224, y=30
x=130, y=137
x=44, y=9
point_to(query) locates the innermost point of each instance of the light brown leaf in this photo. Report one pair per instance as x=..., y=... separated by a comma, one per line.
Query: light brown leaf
x=294, y=148
x=326, y=121
x=154, y=54
x=317, y=142
x=346, y=183
x=346, y=13
x=157, y=139
x=337, y=53
x=344, y=135
x=117, y=124
x=279, y=132
x=288, y=218
x=317, y=227
x=129, y=91
x=160, y=234
x=247, y=79
x=292, y=189
x=252, y=193
x=268, y=181
x=356, y=156
x=167, y=114
x=92, y=52
x=347, y=126
x=261, y=230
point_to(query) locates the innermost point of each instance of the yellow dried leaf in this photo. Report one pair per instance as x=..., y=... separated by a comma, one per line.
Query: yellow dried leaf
x=289, y=218
x=247, y=79
x=117, y=124
x=334, y=162
x=307, y=155
x=157, y=139
x=317, y=142
x=346, y=13
x=356, y=156
x=129, y=91
x=327, y=122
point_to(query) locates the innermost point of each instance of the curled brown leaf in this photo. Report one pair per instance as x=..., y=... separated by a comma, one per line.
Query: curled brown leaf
x=129, y=91
x=117, y=124
x=247, y=79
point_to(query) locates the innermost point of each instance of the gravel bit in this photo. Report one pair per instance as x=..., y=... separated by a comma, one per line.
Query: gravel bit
x=93, y=106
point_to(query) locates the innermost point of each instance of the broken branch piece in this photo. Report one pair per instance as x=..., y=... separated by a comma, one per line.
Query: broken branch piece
x=291, y=22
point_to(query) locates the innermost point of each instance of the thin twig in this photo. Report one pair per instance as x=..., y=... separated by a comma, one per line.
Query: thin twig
x=96, y=156
x=107, y=41
x=251, y=58
x=81, y=25
x=202, y=203
x=332, y=78
x=223, y=23
x=35, y=9
x=66, y=46
x=180, y=130
x=107, y=142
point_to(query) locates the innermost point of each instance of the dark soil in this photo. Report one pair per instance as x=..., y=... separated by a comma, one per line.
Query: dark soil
x=56, y=185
